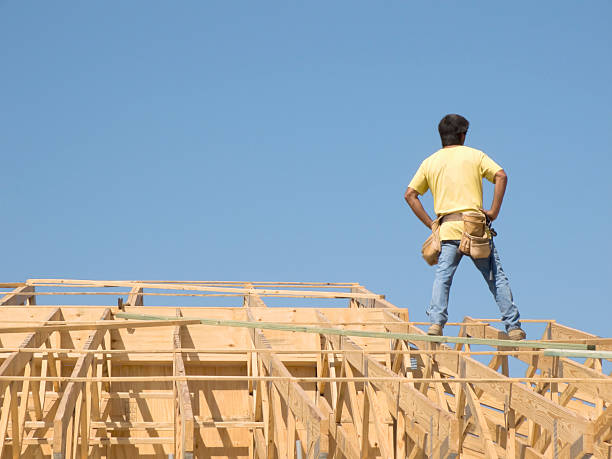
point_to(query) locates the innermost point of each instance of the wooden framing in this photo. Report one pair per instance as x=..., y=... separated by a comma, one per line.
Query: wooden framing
x=23, y=294
x=359, y=381
x=184, y=420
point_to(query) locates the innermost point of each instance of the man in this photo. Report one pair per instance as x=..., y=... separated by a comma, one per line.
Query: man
x=454, y=174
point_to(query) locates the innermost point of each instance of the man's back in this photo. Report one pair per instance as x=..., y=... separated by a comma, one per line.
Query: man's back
x=454, y=176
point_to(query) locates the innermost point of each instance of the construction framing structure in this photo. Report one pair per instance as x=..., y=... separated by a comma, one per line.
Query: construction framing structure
x=350, y=377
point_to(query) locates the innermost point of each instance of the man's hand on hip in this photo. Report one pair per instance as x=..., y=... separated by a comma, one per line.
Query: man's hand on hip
x=491, y=215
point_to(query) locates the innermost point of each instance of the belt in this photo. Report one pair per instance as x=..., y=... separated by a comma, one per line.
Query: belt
x=455, y=217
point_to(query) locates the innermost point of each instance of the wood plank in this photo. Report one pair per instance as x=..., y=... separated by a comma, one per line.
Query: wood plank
x=365, y=428
x=361, y=333
x=373, y=302
x=414, y=404
x=480, y=421
x=187, y=441
x=17, y=361
x=252, y=299
x=603, y=423
x=377, y=416
x=200, y=288
x=21, y=295
x=566, y=368
x=114, y=325
x=260, y=441
x=135, y=298
x=563, y=332
x=66, y=410
x=7, y=401
x=14, y=409
x=578, y=354
x=316, y=424
x=23, y=408
x=534, y=406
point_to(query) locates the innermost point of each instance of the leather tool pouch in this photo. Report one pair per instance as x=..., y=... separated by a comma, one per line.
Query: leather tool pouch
x=475, y=241
x=431, y=247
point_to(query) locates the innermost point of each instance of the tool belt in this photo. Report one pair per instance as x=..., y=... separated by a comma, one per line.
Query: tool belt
x=456, y=217
x=475, y=241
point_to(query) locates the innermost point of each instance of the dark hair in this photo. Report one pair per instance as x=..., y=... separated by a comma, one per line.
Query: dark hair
x=451, y=127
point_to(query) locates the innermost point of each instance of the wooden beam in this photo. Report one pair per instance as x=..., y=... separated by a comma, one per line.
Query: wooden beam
x=21, y=295
x=565, y=368
x=66, y=410
x=563, y=332
x=345, y=443
x=16, y=362
x=376, y=413
x=603, y=423
x=373, y=302
x=480, y=421
x=200, y=288
x=135, y=297
x=252, y=299
x=542, y=411
x=414, y=404
x=97, y=325
x=296, y=399
x=348, y=395
x=187, y=442
x=420, y=336
x=578, y=354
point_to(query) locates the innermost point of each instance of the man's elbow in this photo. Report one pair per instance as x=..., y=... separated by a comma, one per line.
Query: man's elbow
x=501, y=176
x=410, y=195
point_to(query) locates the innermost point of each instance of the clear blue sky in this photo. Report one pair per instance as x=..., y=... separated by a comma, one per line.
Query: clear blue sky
x=274, y=140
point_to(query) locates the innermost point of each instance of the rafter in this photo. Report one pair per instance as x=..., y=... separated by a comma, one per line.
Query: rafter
x=135, y=298
x=24, y=294
x=186, y=446
x=564, y=367
x=252, y=298
x=17, y=361
x=68, y=410
x=570, y=425
x=14, y=365
x=305, y=411
x=414, y=404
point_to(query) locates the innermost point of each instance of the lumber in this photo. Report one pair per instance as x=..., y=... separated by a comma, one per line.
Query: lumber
x=66, y=410
x=534, y=406
x=411, y=402
x=185, y=408
x=19, y=296
x=564, y=366
x=316, y=424
x=135, y=297
x=361, y=333
x=578, y=354
x=199, y=288
x=17, y=361
x=248, y=380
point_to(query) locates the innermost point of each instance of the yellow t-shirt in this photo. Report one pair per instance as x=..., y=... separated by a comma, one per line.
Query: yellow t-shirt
x=454, y=176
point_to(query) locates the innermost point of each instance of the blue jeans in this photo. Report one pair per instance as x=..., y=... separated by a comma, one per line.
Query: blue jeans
x=491, y=270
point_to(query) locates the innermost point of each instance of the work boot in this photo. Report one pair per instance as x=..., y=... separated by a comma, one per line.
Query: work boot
x=517, y=334
x=435, y=330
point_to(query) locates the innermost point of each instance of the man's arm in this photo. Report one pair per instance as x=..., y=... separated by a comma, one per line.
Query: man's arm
x=501, y=180
x=412, y=198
